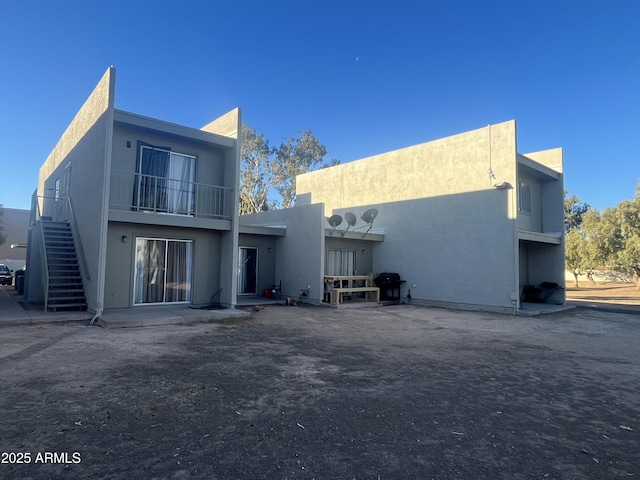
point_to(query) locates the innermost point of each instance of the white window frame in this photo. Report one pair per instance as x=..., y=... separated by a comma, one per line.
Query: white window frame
x=524, y=198
x=137, y=276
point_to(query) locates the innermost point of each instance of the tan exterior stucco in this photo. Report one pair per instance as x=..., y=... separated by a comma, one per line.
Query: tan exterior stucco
x=456, y=164
x=96, y=164
x=450, y=215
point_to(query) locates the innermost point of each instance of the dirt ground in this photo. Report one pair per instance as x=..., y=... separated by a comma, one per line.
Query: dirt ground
x=611, y=293
x=395, y=392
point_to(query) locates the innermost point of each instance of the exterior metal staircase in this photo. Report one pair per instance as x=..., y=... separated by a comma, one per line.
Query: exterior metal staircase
x=64, y=288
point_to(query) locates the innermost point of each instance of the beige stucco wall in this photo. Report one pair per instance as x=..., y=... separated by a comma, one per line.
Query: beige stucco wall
x=228, y=124
x=120, y=270
x=99, y=102
x=81, y=158
x=552, y=158
x=456, y=164
x=448, y=231
x=299, y=254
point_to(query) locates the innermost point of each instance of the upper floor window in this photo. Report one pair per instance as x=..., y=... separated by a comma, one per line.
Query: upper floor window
x=524, y=198
x=166, y=181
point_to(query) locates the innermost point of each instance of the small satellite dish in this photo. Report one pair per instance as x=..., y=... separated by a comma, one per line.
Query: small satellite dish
x=350, y=218
x=351, y=221
x=369, y=215
x=334, y=220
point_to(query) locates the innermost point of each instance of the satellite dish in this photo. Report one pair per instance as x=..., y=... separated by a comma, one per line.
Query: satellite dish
x=369, y=215
x=350, y=218
x=334, y=220
x=351, y=221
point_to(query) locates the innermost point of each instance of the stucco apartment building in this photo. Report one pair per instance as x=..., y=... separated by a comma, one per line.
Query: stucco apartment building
x=466, y=221
x=134, y=211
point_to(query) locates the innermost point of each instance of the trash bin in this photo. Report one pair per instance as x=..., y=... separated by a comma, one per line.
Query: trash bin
x=19, y=281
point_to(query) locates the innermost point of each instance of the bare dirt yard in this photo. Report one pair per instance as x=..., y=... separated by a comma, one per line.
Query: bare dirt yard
x=609, y=293
x=394, y=392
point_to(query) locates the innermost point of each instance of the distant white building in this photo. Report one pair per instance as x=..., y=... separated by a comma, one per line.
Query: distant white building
x=13, y=253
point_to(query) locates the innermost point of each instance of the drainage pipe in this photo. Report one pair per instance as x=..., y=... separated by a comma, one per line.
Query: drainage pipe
x=96, y=316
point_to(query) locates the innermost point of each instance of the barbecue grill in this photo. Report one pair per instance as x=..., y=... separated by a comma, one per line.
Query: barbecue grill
x=389, y=283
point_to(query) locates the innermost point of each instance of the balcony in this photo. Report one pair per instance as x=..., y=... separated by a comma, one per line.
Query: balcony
x=134, y=192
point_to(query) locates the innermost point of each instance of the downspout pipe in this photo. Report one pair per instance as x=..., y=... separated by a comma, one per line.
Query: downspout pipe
x=99, y=310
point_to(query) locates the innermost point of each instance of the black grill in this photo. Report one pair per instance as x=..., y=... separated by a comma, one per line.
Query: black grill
x=389, y=285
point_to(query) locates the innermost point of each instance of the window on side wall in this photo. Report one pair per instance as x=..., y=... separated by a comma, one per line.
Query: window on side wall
x=524, y=198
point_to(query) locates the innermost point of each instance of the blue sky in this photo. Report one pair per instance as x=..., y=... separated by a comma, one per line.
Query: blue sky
x=365, y=77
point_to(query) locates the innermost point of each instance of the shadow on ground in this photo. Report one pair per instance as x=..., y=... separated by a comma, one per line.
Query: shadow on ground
x=301, y=392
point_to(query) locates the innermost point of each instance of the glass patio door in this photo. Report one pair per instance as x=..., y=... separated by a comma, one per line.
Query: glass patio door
x=163, y=271
x=341, y=262
x=248, y=271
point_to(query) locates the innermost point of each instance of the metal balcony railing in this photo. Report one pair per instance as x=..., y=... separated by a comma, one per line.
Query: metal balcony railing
x=150, y=193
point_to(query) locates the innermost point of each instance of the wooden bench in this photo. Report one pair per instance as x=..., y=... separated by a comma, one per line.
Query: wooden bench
x=373, y=293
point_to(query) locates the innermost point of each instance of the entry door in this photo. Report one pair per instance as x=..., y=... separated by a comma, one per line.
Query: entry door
x=248, y=271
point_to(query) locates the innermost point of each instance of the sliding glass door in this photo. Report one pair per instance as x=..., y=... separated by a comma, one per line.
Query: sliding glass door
x=341, y=262
x=166, y=181
x=163, y=271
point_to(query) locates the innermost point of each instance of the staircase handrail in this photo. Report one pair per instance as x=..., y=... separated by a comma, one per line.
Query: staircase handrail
x=77, y=240
x=43, y=252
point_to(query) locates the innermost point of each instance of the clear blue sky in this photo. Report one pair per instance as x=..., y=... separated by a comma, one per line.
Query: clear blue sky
x=364, y=76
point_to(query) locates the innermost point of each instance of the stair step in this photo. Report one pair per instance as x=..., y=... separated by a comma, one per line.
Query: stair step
x=65, y=290
x=66, y=300
x=68, y=306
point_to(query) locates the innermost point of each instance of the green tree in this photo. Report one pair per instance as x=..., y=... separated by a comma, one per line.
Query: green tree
x=574, y=209
x=577, y=256
x=625, y=220
x=294, y=157
x=602, y=242
x=267, y=174
x=256, y=173
x=610, y=239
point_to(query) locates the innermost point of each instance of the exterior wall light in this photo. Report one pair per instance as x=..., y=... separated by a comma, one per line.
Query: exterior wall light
x=124, y=239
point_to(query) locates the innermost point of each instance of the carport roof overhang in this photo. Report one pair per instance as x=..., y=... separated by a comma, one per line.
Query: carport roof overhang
x=140, y=122
x=537, y=170
x=272, y=231
x=354, y=235
x=551, y=238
